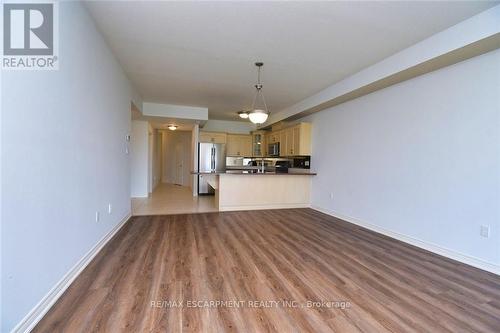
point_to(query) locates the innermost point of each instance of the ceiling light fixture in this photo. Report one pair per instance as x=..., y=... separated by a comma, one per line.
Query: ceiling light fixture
x=172, y=127
x=243, y=114
x=258, y=115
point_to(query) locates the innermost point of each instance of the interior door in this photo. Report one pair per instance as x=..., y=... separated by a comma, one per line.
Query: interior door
x=179, y=164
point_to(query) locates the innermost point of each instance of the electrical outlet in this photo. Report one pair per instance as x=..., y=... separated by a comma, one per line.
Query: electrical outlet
x=97, y=216
x=110, y=209
x=485, y=231
x=331, y=195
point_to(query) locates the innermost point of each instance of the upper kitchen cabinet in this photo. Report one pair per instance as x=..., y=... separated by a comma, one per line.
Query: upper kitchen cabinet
x=283, y=140
x=273, y=137
x=296, y=140
x=258, y=144
x=213, y=137
x=239, y=145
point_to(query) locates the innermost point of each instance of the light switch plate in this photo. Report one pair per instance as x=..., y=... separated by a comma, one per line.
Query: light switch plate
x=485, y=231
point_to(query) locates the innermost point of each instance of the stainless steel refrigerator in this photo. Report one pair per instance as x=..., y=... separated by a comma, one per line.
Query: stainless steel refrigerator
x=211, y=158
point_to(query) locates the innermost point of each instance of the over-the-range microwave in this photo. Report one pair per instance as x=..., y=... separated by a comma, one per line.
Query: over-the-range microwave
x=274, y=149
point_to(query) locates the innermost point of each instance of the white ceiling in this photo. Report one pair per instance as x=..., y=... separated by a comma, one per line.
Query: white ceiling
x=202, y=53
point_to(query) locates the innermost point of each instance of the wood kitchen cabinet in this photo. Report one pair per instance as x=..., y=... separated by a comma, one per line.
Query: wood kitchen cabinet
x=213, y=137
x=259, y=147
x=239, y=145
x=282, y=140
x=286, y=142
x=273, y=137
x=296, y=140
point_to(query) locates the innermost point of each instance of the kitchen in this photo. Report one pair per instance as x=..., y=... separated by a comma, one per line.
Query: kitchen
x=275, y=162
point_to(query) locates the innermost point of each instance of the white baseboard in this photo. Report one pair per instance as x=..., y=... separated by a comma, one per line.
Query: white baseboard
x=261, y=207
x=463, y=258
x=37, y=313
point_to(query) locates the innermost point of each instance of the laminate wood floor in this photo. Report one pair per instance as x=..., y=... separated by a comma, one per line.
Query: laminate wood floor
x=268, y=266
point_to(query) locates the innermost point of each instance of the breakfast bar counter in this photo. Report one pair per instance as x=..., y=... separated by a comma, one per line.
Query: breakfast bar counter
x=248, y=190
x=250, y=173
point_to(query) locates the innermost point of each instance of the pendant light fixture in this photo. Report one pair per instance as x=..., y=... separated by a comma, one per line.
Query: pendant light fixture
x=172, y=127
x=243, y=114
x=258, y=115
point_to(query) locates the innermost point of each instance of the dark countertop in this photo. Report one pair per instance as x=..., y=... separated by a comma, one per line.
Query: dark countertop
x=246, y=172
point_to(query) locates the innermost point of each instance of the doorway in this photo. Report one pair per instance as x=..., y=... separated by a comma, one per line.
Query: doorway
x=172, y=163
x=176, y=157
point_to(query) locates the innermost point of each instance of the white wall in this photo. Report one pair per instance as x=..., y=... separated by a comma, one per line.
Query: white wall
x=139, y=159
x=194, y=158
x=237, y=127
x=420, y=159
x=63, y=159
x=151, y=145
x=176, y=151
x=157, y=153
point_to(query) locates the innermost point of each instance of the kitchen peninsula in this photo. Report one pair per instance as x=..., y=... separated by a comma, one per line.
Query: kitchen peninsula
x=244, y=190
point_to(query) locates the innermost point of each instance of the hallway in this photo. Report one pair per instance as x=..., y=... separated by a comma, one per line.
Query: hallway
x=169, y=199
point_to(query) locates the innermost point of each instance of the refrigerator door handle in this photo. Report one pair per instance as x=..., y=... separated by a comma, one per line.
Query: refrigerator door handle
x=212, y=164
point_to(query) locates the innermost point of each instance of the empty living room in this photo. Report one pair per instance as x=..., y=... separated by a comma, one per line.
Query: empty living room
x=250, y=166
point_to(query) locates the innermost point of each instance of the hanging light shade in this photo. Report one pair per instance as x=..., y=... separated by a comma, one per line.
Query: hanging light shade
x=258, y=115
